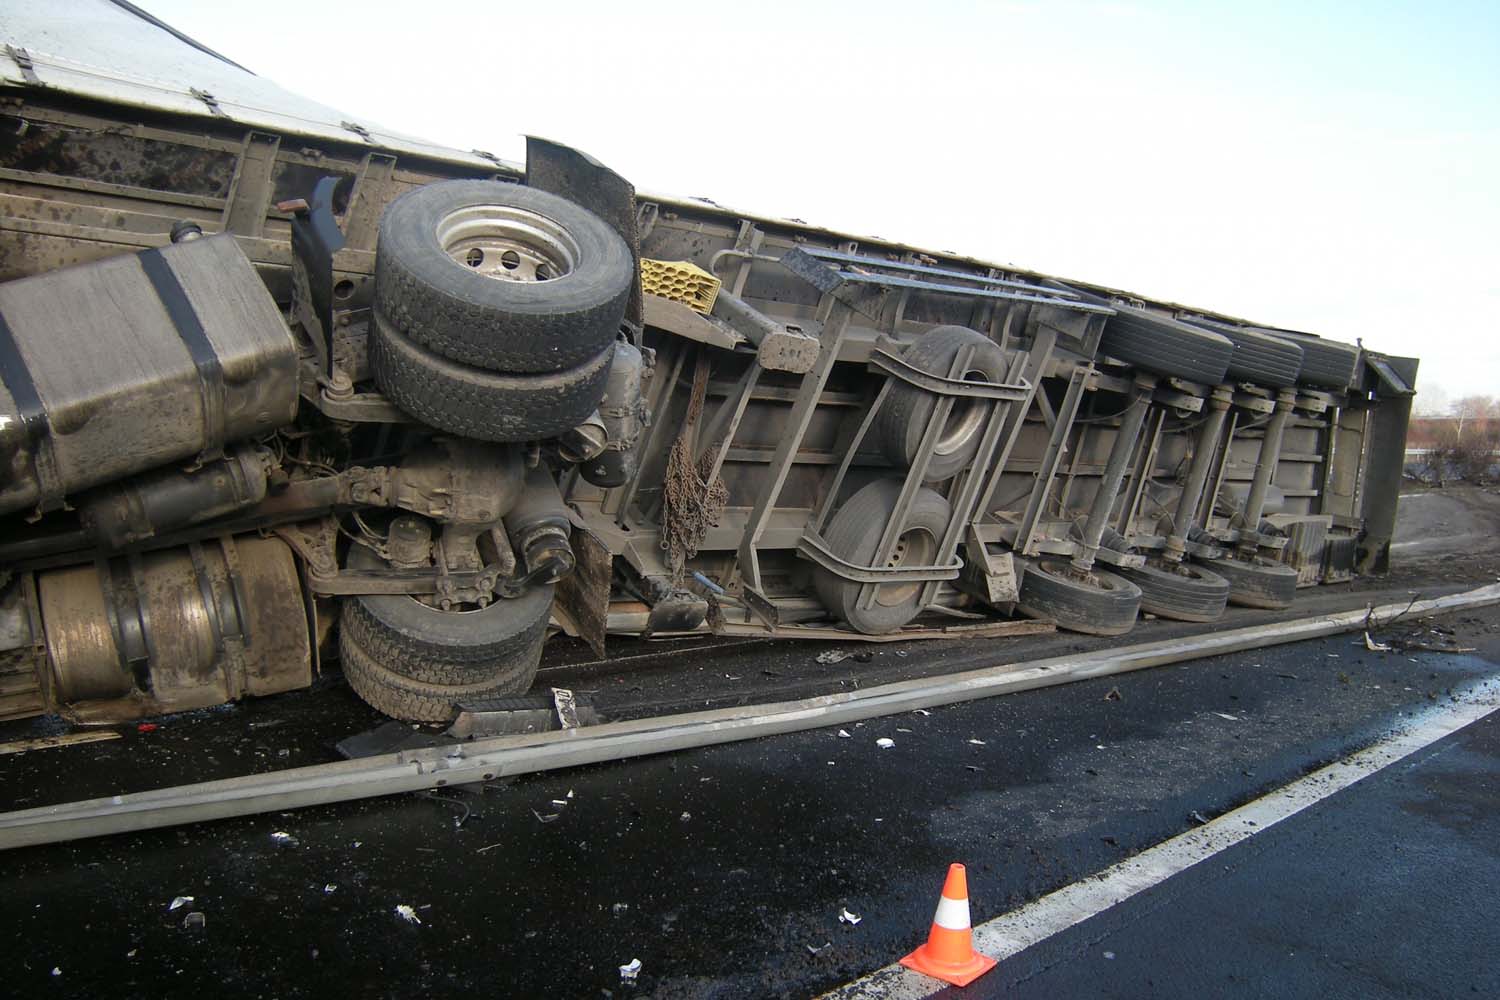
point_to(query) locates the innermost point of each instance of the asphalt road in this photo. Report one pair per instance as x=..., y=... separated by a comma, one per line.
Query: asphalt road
x=723, y=869
x=1384, y=890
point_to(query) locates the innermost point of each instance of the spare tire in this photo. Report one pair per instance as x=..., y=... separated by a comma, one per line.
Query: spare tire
x=903, y=417
x=854, y=534
x=1161, y=344
x=479, y=404
x=501, y=276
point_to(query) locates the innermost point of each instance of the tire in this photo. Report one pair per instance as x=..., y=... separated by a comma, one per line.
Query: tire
x=495, y=645
x=1188, y=594
x=1259, y=357
x=1326, y=363
x=410, y=700
x=1165, y=346
x=479, y=404
x=903, y=416
x=854, y=534
x=464, y=315
x=1107, y=606
x=1258, y=584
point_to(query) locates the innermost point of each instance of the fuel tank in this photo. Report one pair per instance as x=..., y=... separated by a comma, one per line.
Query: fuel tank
x=136, y=361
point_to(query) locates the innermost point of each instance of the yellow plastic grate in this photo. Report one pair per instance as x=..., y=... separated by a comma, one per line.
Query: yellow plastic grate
x=680, y=281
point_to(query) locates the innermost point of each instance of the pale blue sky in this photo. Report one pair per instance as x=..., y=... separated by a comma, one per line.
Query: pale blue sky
x=1326, y=166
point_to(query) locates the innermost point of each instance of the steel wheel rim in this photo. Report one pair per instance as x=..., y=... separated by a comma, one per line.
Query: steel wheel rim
x=503, y=243
x=963, y=419
x=915, y=547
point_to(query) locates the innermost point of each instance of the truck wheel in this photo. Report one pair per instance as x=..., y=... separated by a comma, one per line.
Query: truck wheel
x=1165, y=346
x=1104, y=604
x=1260, y=358
x=1327, y=363
x=1185, y=593
x=904, y=414
x=1258, y=584
x=479, y=404
x=501, y=276
x=494, y=645
x=854, y=534
x=410, y=700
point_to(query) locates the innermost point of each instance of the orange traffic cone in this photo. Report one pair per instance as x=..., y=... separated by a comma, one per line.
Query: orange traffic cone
x=949, y=953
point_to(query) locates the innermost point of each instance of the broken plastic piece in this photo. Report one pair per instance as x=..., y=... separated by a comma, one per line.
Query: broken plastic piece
x=408, y=914
x=1376, y=647
x=845, y=917
x=885, y=743
x=330, y=888
x=179, y=901
x=147, y=727
x=630, y=971
x=814, y=949
x=1226, y=715
x=978, y=743
x=195, y=921
x=834, y=656
x=545, y=819
x=845, y=735
x=284, y=839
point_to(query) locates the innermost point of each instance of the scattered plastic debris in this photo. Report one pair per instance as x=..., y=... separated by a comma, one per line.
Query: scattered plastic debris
x=1113, y=694
x=1376, y=647
x=178, y=901
x=1109, y=955
x=921, y=711
x=619, y=908
x=629, y=972
x=195, y=921
x=1198, y=817
x=978, y=743
x=885, y=743
x=844, y=734
x=972, y=767
x=408, y=914
x=56, y=971
x=900, y=730
x=329, y=889
x=685, y=816
x=845, y=917
x=814, y=949
x=284, y=839
x=834, y=656
x=1226, y=715
x=545, y=819
x=147, y=727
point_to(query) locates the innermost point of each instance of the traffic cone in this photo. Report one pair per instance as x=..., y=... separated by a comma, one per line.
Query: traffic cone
x=949, y=953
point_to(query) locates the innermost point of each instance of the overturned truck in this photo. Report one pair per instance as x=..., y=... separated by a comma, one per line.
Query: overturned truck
x=277, y=386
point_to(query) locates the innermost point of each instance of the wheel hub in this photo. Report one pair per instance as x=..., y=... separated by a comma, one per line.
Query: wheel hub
x=507, y=244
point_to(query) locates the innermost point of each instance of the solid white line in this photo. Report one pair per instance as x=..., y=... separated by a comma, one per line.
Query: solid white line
x=1013, y=932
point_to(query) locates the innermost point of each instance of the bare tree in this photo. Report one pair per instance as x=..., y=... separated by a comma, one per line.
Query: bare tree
x=1471, y=409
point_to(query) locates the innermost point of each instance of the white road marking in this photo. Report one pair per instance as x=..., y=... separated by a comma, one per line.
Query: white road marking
x=1013, y=932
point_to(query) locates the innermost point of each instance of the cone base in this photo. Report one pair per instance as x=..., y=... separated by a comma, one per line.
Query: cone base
x=961, y=974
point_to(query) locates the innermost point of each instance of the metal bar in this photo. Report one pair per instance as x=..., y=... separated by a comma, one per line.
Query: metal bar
x=1221, y=465
x=826, y=507
x=941, y=272
x=1120, y=454
x=1204, y=447
x=1141, y=474
x=486, y=760
x=1060, y=429
x=939, y=385
x=1029, y=364
x=835, y=316
x=891, y=281
x=1265, y=468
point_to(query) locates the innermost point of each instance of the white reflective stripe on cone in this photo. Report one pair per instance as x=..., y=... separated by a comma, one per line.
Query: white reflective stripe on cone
x=952, y=914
